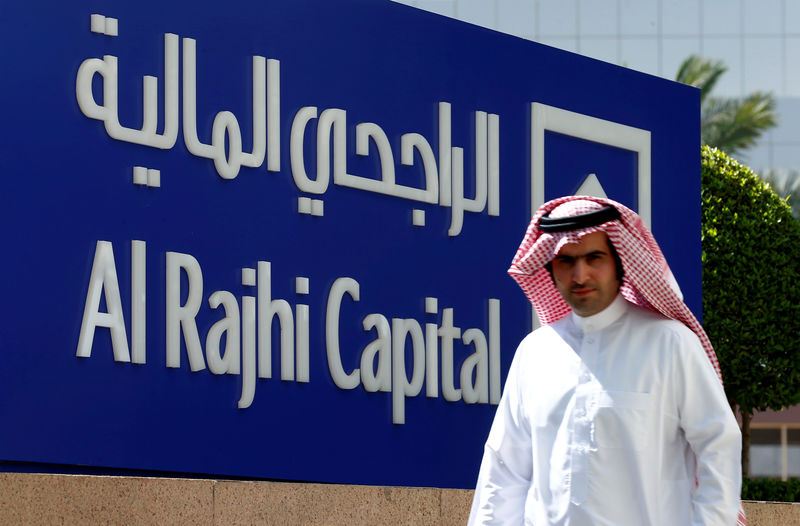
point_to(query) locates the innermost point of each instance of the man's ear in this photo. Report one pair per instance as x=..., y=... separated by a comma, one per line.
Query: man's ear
x=617, y=261
x=549, y=267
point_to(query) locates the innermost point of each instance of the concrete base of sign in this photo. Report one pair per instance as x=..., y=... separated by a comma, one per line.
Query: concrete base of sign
x=32, y=499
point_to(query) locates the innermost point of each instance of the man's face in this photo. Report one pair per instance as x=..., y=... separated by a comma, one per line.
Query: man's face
x=586, y=274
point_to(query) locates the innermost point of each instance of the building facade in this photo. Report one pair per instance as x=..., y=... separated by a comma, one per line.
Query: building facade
x=759, y=41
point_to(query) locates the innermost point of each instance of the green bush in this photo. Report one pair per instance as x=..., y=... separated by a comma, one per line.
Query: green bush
x=751, y=284
x=771, y=489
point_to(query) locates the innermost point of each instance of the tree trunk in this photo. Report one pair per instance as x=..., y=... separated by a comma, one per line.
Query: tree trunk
x=746, y=417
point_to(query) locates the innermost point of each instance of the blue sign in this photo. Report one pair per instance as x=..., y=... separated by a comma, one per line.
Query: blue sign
x=272, y=241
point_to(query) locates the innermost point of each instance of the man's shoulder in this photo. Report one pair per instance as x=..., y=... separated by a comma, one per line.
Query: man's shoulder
x=643, y=315
x=547, y=333
x=655, y=322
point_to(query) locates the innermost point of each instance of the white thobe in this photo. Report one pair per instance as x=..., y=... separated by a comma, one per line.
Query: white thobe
x=608, y=420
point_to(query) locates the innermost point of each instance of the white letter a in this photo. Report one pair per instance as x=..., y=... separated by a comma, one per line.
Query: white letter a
x=104, y=280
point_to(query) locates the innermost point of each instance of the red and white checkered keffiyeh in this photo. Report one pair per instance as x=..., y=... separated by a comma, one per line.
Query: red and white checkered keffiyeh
x=646, y=281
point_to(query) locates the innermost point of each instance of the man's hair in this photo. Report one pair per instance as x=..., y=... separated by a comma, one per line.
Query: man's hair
x=614, y=254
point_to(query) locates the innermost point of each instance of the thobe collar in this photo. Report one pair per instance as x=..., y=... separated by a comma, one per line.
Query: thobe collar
x=604, y=318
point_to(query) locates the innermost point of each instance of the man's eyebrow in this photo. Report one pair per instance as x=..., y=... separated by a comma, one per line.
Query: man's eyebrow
x=598, y=252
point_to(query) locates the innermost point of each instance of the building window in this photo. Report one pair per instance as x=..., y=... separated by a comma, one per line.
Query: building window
x=793, y=452
x=775, y=451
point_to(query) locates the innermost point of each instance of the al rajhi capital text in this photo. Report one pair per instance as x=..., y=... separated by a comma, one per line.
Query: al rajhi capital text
x=247, y=325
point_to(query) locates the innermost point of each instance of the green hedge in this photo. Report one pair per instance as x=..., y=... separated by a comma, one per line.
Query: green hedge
x=751, y=284
x=771, y=489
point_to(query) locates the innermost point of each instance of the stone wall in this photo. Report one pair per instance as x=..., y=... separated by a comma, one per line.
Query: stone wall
x=32, y=499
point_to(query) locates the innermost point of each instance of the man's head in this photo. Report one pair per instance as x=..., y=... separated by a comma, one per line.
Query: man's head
x=587, y=274
x=561, y=227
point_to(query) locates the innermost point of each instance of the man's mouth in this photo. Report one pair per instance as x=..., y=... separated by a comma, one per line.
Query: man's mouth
x=582, y=291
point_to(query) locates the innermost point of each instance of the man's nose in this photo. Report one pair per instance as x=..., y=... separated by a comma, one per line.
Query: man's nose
x=580, y=272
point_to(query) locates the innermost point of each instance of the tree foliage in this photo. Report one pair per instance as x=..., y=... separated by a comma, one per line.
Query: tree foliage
x=701, y=73
x=786, y=185
x=769, y=489
x=729, y=124
x=751, y=284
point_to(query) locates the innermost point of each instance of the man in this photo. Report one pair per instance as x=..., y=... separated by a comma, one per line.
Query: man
x=613, y=412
